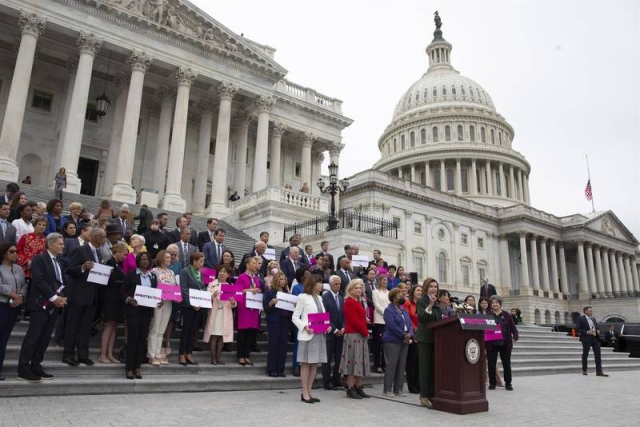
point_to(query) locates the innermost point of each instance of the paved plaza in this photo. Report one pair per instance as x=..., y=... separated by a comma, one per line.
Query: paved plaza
x=558, y=400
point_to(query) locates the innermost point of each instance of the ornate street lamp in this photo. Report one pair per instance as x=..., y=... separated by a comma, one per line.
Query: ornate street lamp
x=333, y=189
x=103, y=101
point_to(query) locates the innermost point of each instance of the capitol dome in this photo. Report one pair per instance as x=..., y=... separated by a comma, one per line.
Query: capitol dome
x=447, y=134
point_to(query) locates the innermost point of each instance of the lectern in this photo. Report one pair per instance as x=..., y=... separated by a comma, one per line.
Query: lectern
x=459, y=361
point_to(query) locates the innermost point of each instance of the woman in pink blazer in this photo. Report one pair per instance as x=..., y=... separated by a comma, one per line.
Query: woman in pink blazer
x=248, y=318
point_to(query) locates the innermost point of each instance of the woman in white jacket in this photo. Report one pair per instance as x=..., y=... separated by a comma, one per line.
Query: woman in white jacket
x=312, y=347
x=380, y=303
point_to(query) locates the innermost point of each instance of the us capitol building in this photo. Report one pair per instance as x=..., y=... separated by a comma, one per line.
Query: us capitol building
x=154, y=101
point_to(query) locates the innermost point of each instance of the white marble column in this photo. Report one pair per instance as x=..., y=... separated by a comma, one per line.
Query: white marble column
x=306, y=142
x=634, y=274
x=606, y=272
x=172, y=199
x=525, y=186
x=275, y=172
x=458, y=182
x=89, y=46
x=512, y=183
x=167, y=97
x=218, y=206
x=505, y=265
x=615, y=282
x=544, y=260
x=520, y=186
x=72, y=67
x=591, y=270
x=264, y=104
x=555, y=287
x=629, y=277
x=503, y=193
x=31, y=26
x=489, y=178
x=413, y=173
x=443, y=176
x=582, y=268
x=149, y=140
x=524, y=263
x=122, y=84
x=243, y=119
x=427, y=174
x=400, y=173
x=206, y=106
x=564, y=280
x=621, y=275
x=474, y=178
x=122, y=189
x=600, y=287
x=535, y=270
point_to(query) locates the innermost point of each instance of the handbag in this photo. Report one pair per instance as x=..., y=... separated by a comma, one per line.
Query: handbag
x=122, y=354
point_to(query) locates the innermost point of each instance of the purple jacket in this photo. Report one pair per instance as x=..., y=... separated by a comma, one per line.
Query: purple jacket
x=510, y=331
x=395, y=325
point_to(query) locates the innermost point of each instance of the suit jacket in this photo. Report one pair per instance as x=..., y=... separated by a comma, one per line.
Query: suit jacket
x=211, y=255
x=582, y=327
x=79, y=290
x=187, y=281
x=336, y=314
x=484, y=293
x=243, y=264
x=185, y=258
x=10, y=235
x=303, y=259
x=44, y=283
x=203, y=238
x=128, y=290
x=345, y=279
x=332, y=265
x=289, y=270
x=174, y=237
x=70, y=244
x=52, y=223
x=304, y=306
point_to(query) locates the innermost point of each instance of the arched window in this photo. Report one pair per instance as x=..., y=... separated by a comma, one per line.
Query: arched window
x=462, y=90
x=426, y=94
x=402, y=145
x=471, y=92
x=472, y=133
x=417, y=97
x=498, y=183
x=500, y=138
x=465, y=180
x=447, y=133
x=442, y=267
x=423, y=136
x=412, y=138
x=434, y=131
x=493, y=137
x=444, y=91
x=435, y=92
x=395, y=145
x=437, y=184
x=453, y=90
x=483, y=136
x=460, y=133
x=450, y=183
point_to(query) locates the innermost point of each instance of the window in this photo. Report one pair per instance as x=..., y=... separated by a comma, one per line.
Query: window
x=493, y=137
x=212, y=146
x=471, y=92
x=483, y=136
x=426, y=94
x=42, y=101
x=498, y=183
x=460, y=133
x=395, y=145
x=481, y=242
x=465, y=180
x=396, y=221
x=444, y=91
x=462, y=90
x=500, y=138
x=442, y=267
x=464, y=238
x=436, y=179
x=447, y=133
x=417, y=227
x=435, y=134
x=412, y=137
x=417, y=97
x=91, y=113
x=435, y=92
x=472, y=133
x=423, y=136
x=482, y=270
x=441, y=234
x=418, y=260
x=453, y=90
x=402, y=146
x=450, y=179
x=297, y=170
x=465, y=275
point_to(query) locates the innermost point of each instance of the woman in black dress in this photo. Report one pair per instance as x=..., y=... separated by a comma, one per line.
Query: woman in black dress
x=112, y=304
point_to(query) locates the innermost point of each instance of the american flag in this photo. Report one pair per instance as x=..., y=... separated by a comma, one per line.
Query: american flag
x=587, y=191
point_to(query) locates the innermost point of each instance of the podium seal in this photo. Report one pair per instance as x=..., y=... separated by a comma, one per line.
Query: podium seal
x=472, y=351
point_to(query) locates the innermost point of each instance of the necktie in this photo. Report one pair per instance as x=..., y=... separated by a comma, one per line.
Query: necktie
x=337, y=301
x=219, y=253
x=3, y=225
x=296, y=264
x=96, y=256
x=56, y=267
x=124, y=227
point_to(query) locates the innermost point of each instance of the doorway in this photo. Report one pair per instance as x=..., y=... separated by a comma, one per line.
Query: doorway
x=88, y=174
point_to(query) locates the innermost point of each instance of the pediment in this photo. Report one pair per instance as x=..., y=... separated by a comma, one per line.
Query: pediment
x=189, y=23
x=609, y=224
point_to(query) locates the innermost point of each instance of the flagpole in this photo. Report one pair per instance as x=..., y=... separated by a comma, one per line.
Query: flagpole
x=593, y=206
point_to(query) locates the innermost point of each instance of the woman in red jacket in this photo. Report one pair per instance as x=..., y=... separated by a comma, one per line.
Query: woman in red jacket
x=411, y=367
x=355, y=351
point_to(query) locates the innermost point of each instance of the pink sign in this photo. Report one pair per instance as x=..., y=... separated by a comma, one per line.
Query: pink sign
x=319, y=322
x=227, y=291
x=493, y=335
x=170, y=292
x=208, y=275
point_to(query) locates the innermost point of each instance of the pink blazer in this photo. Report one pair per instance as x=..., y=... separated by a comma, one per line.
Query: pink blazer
x=227, y=316
x=248, y=318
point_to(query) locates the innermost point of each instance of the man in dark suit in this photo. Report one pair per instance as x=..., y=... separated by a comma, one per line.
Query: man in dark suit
x=377, y=255
x=185, y=249
x=264, y=236
x=123, y=220
x=324, y=246
x=294, y=242
x=11, y=189
x=7, y=231
x=45, y=299
x=487, y=290
x=334, y=304
x=155, y=241
x=83, y=296
x=587, y=327
x=258, y=250
x=71, y=243
x=181, y=224
x=207, y=235
x=214, y=249
x=290, y=265
x=345, y=273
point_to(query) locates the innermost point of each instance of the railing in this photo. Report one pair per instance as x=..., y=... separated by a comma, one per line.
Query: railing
x=309, y=95
x=282, y=195
x=347, y=221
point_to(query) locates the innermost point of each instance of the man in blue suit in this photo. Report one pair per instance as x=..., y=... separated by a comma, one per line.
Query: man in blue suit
x=334, y=304
x=213, y=250
x=290, y=264
x=587, y=327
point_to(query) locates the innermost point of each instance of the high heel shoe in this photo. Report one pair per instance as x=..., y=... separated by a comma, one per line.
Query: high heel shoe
x=302, y=399
x=183, y=363
x=248, y=362
x=191, y=362
x=129, y=376
x=315, y=399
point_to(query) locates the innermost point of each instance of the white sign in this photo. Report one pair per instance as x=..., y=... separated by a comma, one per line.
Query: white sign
x=269, y=254
x=199, y=298
x=99, y=274
x=286, y=301
x=253, y=301
x=359, y=261
x=148, y=297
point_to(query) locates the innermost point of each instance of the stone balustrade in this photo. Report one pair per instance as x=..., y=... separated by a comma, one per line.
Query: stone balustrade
x=309, y=95
x=281, y=195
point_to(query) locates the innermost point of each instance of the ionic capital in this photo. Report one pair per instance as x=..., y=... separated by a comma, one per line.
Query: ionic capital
x=31, y=24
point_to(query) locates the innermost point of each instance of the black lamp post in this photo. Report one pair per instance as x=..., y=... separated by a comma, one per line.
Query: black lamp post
x=333, y=188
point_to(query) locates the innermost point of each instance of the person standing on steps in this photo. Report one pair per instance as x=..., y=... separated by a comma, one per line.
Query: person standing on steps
x=60, y=183
x=587, y=327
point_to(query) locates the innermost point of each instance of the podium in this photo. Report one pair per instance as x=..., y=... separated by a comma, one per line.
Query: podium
x=459, y=360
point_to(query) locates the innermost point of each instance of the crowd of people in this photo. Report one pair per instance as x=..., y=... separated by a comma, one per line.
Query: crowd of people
x=49, y=264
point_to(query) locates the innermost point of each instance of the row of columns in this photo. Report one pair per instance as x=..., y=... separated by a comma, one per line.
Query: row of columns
x=488, y=185
x=602, y=271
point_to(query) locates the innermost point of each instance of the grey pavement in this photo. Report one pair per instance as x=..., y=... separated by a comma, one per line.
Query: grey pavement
x=556, y=400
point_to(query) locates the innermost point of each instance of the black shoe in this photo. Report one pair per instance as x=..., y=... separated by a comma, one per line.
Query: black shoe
x=87, y=362
x=342, y=386
x=302, y=399
x=353, y=394
x=191, y=362
x=315, y=399
x=2, y=377
x=129, y=377
x=330, y=387
x=70, y=361
x=273, y=375
x=508, y=387
x=296, y=371
x=492, y=387
x=138, y=377
x=281, y=375
x=584, y=373
x=42, y=374
x=601, y=374
x=362, y=394
x=30, y=378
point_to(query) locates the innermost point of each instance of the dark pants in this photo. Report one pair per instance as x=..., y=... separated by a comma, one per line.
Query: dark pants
x=594, y=343
x=395, y=355
x=8, y=317
x=278, y=340
x=426, y=369
x=331, y=374
x=137, y=330
x=245, y=338
x=36, y=340
x=376, y=346
x=492, y=359
x=62, y=319
x=411, y=368
x=190, y=323
x=78, y=330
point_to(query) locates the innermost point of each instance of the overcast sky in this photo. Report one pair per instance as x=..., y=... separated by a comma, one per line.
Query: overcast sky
x=565, y=74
